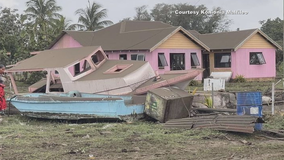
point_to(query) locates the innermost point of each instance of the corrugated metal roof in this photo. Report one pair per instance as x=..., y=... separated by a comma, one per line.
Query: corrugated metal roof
x=235, y=123
x=224, y=40
x=230, y=40
x=129, y=35
x=56, y=58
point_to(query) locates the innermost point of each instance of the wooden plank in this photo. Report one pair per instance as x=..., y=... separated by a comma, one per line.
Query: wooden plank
x=257, y=41
x=179, y=40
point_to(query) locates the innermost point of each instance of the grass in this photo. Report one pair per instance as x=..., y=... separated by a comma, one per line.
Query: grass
x=33, y=138
x=25, y=138
x=275, y=122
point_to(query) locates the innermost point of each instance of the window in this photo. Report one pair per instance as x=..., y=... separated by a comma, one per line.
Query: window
x=222, y=60
x=118, y=68
x=162, y=62
x=177, y=61
x=138, y=57
x=256, y=58
x=194, y=60
x=77, y=69
x=123, y=57
x=98, y=57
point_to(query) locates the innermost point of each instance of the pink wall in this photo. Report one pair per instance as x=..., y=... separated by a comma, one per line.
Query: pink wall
x=115, y=55
x=66, y=42
x=152, y=58
x=241, y=66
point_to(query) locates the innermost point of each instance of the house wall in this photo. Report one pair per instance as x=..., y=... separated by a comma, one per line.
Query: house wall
x=241, y=65
x=179, y=40
x=66, y=42
x=152, y=58
x=257, y=41
x=240, y=60
x=115, y=55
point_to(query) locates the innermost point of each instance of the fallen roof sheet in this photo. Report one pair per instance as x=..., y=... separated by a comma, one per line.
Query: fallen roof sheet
x=234, y=123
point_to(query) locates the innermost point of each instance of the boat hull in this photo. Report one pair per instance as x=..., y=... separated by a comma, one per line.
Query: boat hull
x=64, y=107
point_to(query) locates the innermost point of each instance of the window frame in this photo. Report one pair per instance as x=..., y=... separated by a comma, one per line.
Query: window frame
x=123, y=56
x=219, y=56
x=177, y=61
x=260, y=60
x=162, y=61
x=77, y=69
x=192, y=57
x=85, y=67
x=137, y=57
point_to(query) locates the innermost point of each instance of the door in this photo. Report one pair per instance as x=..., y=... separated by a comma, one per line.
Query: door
x=177, y=61
x=206, y=65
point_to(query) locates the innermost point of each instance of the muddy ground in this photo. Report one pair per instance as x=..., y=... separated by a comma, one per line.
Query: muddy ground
x=24, y=138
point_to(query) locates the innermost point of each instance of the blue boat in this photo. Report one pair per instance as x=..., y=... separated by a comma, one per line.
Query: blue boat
x=75, y=105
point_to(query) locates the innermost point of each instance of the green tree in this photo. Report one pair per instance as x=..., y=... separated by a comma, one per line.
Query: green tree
x=216, y=22
x=274, y=29
x=142, y=14
x=125, y=19
x=91, y=18
x=63, y=24
x=13, y=39
x=43, y=15
x=162, y=12
x=203, y=23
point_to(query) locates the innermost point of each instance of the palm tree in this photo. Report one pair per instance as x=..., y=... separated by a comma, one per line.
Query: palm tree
x=63, y=24
x=42, y=15
x=91, y=17
x=43, y=11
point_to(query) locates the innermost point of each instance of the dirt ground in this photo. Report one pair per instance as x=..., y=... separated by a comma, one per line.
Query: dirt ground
x=24, y=138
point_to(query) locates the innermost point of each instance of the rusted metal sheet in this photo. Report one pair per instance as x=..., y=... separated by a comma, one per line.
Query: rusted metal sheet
x=234, y=123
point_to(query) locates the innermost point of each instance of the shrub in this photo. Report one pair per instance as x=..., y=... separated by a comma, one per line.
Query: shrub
x=193, y=83
x=34, y=77
x=240, y=79
x=209, y=102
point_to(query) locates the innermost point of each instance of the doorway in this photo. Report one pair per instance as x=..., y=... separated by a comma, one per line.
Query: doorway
x=206, y=65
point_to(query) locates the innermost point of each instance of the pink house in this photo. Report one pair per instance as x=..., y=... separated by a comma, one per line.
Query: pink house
x=164, y=46
x=250, y=53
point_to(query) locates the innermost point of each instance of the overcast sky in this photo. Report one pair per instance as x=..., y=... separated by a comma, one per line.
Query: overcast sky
x=118, y=9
